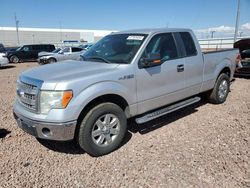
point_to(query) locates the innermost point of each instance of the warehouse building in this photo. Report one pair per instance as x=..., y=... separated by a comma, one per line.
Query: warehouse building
x=9, y=37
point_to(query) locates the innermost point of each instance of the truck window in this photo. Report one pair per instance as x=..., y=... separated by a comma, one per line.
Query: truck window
x=164, y=45
x=188, y=44
x=76, y=49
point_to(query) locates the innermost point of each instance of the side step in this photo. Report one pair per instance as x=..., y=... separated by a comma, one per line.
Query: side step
x=167, y=110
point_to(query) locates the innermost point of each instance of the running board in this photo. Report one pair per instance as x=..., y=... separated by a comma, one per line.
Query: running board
x=167, y=110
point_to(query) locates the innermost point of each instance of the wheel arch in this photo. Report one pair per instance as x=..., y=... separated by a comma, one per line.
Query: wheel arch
x=113, y=98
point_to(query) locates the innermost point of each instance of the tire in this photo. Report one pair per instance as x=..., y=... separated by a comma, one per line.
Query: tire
x=51, y=60
x=14, y=59
x=221, y=89
x=102, y=130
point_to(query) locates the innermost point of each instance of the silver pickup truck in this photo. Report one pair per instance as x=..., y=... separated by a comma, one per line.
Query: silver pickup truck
x=141, y=73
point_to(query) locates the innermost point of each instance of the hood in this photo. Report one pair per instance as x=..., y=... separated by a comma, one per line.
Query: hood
x=68, y=70
x=41, y=54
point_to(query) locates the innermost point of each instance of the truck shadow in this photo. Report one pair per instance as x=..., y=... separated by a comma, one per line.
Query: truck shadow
x=163, y=120
x=4, y=133
x=68, y=147
x=7, y=67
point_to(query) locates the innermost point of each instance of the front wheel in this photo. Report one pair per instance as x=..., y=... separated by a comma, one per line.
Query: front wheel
x=102, y=129
x=221, y=89
x=51, y=60
x=14, y=59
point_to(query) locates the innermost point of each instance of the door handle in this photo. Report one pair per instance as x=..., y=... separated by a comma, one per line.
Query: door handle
x=180, y=68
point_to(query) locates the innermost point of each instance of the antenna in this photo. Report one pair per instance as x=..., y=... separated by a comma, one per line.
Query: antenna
x=17, y=26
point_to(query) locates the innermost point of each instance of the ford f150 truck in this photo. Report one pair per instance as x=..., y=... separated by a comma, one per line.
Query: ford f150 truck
x=141, y=73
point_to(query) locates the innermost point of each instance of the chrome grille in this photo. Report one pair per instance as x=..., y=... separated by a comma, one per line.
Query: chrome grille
x=27, y=95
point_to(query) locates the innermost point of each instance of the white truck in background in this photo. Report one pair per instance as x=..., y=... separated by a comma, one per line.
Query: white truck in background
x=140, y=73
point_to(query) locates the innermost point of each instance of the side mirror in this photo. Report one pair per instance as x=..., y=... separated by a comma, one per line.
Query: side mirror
x=61, y=52
x=150, y=61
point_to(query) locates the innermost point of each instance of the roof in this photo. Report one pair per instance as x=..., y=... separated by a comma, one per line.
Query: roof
x=153, y=30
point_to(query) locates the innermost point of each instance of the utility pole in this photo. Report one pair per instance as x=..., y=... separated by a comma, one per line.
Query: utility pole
x=241, y=32
x=60, y=24
x=212, y=34
x=17, y=26
x=237, y=22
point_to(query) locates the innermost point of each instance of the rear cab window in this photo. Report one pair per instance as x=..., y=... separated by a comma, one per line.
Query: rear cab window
x=188, y=43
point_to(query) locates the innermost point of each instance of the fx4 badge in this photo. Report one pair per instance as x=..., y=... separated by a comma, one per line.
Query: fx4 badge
x=130, y=76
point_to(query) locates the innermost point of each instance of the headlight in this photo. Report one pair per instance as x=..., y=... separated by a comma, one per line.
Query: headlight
x=54, y=100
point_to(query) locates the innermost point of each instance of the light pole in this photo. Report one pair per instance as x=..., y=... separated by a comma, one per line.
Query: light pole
x=237, y=21
x=241, y=32
x=33, y=38
x=212, y=34
x=17, y=26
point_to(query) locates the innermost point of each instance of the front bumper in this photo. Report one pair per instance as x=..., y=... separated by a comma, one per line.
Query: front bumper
x=50, y=131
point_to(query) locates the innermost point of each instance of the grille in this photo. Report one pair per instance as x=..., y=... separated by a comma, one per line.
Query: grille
x=27, y=95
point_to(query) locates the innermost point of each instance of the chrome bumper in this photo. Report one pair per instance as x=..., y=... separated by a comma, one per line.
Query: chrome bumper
x=50, y=131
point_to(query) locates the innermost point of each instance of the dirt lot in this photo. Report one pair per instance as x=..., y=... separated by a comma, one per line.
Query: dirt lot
x=200, y=146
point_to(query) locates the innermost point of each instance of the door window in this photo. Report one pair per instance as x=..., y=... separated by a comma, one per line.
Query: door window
x=76, y=49
x=164, y=45
x=27, y=48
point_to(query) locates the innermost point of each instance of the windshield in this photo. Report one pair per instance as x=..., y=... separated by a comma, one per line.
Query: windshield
x=118, y=48
x=56, y=50
x=18, y=49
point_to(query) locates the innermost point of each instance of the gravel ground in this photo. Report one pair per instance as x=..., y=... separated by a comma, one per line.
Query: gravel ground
x=202, y=145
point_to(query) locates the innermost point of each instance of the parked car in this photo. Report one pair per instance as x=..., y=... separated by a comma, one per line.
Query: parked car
x=3, y=59
x=243, y=65
x=141, y=73
x=67, y=53
x=43, y=53
x=28, y=52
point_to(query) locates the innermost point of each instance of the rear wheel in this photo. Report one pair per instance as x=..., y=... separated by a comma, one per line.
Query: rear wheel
x=221, y=89
x=14, y=59
x=102, y=129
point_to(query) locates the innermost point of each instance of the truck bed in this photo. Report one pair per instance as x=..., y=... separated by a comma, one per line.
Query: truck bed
x=213, y=60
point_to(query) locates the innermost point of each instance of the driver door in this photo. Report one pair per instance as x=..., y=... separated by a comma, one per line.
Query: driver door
x=163, y=84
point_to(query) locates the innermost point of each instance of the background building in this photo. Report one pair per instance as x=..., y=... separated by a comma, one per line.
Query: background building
x=8, y=35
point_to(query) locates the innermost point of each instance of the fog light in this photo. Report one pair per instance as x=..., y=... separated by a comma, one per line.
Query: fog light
x=46, y=131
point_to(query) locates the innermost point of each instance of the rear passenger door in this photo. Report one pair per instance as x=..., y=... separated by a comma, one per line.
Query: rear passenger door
x=165, y=83
x=193, y=64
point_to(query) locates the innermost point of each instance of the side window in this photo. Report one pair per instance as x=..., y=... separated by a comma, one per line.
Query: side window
x=188, y=44
x=27, y=48
x=76, y=49
x=66, y=50
x=164, y=45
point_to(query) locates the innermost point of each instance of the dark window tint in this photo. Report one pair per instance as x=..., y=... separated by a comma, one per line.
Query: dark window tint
x=36, y=47
x=164, y=45
x=27, y=48
x=2, y=49
x=188, y=43
x=76, y=49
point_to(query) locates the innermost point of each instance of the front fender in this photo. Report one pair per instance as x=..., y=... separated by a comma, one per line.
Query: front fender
x=99, y=89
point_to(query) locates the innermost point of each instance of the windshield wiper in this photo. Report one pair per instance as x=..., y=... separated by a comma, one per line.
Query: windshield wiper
x=99, y=58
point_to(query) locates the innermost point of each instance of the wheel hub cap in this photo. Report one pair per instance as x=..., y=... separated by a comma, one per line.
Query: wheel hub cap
x=105, y=130
x=223, y=89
